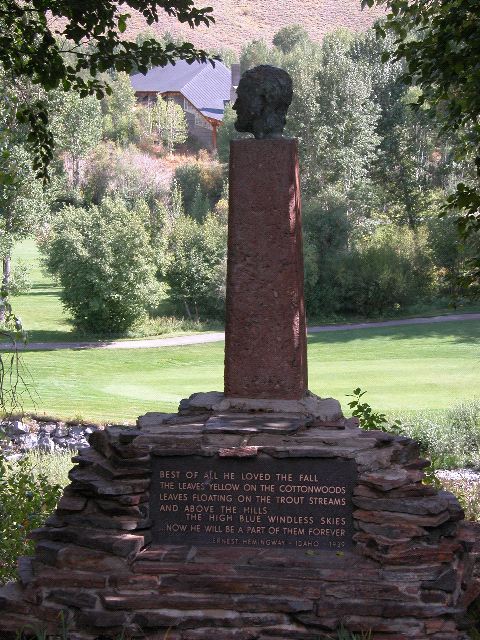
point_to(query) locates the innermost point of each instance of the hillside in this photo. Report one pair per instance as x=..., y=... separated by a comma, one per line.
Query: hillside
x=239, y=21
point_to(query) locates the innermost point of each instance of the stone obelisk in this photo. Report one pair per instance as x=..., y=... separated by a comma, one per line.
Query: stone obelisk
x=265, y=337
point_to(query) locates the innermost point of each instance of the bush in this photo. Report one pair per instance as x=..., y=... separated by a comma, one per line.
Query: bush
x=104, y=262
x=125, y=173
x=199, y=177
x=386, y=272
x=452, y=439
x=326, y=234
x=27, y=498
x=196, y=267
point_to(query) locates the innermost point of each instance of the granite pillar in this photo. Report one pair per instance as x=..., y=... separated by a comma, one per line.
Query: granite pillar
x=265, y=337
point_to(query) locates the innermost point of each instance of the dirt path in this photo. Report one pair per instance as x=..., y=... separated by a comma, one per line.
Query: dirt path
x=203, y=338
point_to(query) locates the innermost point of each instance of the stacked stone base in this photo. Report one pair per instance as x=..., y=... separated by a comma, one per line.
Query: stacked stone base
x=410, y=574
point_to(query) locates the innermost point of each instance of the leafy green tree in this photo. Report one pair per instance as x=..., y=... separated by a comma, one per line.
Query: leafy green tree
x=208, y=176
x=77, y=127
x=27, y=498
x=200, y=206
x=42, y=40
x=23, y=203
x=103, y=259
x=335, y=118
x=226, y=133
x=170, y=123
x=120, y=121
x=196, y=267
x=440, y=44
x=258, y=52
x=290, y=37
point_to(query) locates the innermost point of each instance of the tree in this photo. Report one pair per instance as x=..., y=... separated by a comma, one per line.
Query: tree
x=42, y=40
x=258, y=52
x=103, y=259
x=120, y=121
x=196, y=267
x=440, y=44
x=290, y=37
x=335, y=117
x=170, y=123
x=77, y=127
x=23, y=203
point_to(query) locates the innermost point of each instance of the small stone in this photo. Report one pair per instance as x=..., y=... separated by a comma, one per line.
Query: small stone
x=16, y=428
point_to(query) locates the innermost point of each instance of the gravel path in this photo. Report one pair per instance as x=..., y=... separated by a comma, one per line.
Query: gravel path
x=203, y=338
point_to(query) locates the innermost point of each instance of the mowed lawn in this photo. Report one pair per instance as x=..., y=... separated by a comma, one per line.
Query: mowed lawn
x=404, y=369
x=40, y=310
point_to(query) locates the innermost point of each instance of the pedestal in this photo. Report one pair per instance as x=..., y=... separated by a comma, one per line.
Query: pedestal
x=265, y=335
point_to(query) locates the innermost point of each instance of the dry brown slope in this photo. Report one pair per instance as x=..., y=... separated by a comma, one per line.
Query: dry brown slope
x=239, y=21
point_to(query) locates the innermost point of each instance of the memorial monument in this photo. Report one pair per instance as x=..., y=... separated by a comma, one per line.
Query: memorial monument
x=260, y=513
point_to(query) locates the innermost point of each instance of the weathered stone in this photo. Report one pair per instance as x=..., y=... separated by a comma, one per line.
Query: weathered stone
x=250, y=423
x=153, y=419
x=74, y=598
x=71, y=503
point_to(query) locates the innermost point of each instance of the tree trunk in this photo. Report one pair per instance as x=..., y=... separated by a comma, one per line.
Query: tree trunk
x=187, y=309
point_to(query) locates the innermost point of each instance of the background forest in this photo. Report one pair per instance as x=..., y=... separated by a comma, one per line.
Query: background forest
x=134, y=232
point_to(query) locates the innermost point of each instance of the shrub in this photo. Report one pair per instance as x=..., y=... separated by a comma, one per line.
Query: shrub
x=196, y=267
x=125, y=173
x=27, y=498
x=195, y=177
x=104, y=262
x=452, y=439
x=387, y=271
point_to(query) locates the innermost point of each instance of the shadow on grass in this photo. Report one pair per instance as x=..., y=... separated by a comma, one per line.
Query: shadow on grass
x=465, y=331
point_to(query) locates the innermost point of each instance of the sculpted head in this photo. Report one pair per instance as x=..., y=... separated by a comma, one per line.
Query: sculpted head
x=263, y=97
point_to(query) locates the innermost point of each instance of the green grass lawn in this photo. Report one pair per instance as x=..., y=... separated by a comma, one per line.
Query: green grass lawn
x=404, y=369
x=40, y=309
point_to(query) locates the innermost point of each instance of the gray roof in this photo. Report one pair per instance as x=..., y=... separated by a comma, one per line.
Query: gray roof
x=205, y=86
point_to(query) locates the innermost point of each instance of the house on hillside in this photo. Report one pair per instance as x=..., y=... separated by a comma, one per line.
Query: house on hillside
x=199, y=88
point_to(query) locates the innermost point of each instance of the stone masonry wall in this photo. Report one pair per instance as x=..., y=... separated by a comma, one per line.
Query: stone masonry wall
x=409, y=576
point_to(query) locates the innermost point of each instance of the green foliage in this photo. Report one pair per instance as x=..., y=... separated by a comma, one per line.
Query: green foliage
x=447, y=77
x=196, y=267
x=386, y=271
x=169, y=123
x=369, y=419
x=77, y=128
x=120, y=122
x=51, y=52
x=226, y=133
x=327, y=230
x=258, y=52
x=290, y=37
x=345, y=634
x=27, y=497
x=103, y=259
x=200, y=180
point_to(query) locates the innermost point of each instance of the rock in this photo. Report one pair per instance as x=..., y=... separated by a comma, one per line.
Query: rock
x=61, y=431
x=46, y=444
x=16, y=428
x=27, y=441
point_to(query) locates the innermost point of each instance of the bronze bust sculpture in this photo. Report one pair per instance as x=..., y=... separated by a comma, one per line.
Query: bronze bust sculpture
x=263, y=97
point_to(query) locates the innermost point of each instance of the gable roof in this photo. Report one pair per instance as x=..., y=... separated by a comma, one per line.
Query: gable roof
x=205, y=86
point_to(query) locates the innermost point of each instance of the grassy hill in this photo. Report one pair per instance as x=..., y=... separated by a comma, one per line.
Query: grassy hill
x=239, y=21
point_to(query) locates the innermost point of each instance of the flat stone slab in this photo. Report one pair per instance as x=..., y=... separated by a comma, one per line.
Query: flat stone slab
x=250, y=423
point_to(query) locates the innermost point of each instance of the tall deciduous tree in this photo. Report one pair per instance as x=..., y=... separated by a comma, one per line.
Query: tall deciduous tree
x=77, y=126
x=170, y=123
x=439, y=40
x=23, y=204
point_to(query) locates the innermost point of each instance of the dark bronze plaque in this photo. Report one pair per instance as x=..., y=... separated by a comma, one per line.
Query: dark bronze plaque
x=255, y=502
